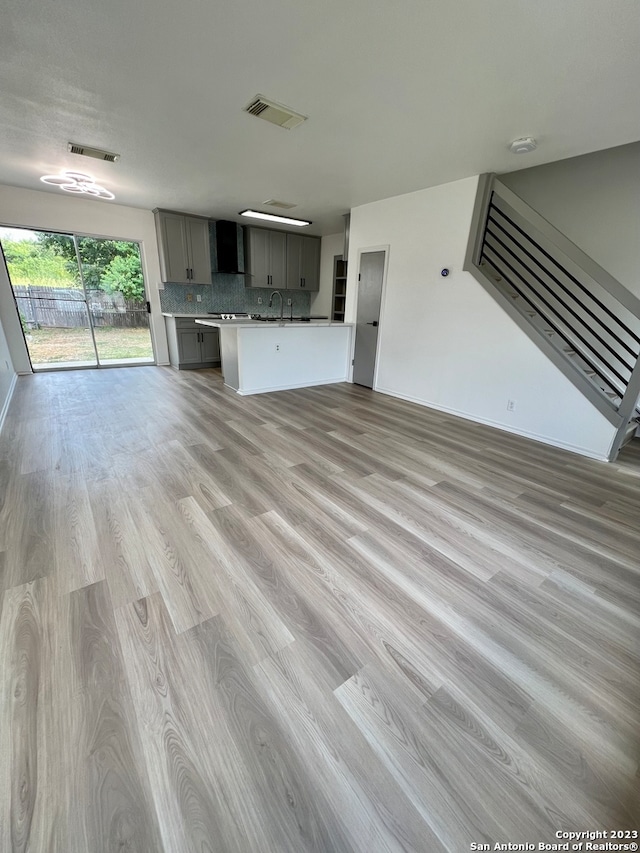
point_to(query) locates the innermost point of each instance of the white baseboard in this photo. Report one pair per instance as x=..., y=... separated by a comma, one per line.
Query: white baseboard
x=245, y=392
x=5, y=408
x=543, y=439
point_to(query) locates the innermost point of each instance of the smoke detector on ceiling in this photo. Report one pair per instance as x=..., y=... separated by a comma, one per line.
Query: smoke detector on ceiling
x=261, y=107
x=96, y=153
x=523, y=145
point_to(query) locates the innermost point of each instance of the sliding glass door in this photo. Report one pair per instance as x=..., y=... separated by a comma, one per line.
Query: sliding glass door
x=81, y=300
x=112, y=274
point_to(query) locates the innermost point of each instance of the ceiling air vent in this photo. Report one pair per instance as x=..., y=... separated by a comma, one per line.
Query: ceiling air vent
x=275, y=113
x=96, y=153
x=283, y=205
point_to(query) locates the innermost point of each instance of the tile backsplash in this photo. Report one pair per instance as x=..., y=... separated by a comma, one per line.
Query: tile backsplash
x=228, y=294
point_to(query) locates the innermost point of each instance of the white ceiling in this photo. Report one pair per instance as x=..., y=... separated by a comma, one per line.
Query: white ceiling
x=400, y=94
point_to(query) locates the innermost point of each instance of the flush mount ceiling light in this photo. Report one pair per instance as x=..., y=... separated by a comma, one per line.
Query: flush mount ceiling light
x=273, y=217
x=522, y=145
x=78, y=183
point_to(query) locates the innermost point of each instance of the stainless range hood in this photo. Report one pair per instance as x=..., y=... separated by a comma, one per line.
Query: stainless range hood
x=228, y=244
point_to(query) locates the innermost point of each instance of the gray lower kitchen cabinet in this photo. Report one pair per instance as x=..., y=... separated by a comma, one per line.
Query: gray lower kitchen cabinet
x=183, y=241
x=210, y=345
x=267, y=256
x=303, y=262
x=192, y=346
x=189, y=348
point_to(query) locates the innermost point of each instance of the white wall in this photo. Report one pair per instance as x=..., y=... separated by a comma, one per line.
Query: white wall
x=332, y=245
x=445, y=342
x=60, y=212
x=595, y=201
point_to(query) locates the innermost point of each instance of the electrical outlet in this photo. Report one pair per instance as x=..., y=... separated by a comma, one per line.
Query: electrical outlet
x=288, y=302
x=277, y=347
x=198, y=298
x=511, y=405
x=189, y=297
x=259, y=300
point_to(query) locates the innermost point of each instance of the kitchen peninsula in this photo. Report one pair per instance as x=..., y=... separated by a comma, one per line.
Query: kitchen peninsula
x=258, y=357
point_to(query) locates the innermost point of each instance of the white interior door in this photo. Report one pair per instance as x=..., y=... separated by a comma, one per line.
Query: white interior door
x=370, y=278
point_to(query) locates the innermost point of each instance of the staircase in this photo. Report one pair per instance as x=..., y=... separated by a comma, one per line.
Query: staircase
x=581, y=317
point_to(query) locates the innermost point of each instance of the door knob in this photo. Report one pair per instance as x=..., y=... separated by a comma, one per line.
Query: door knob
x=374, y=323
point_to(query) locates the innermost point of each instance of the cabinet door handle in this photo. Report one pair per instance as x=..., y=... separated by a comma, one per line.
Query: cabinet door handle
x=304, y=282
x=191, y=271
x=187, y=273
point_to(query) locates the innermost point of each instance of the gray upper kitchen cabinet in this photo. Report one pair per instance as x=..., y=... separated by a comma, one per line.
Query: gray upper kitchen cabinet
x=267, y=251
x=185, y=256
x=303, y=262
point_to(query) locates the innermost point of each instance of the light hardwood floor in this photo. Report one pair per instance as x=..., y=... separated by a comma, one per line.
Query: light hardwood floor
x=317, y=620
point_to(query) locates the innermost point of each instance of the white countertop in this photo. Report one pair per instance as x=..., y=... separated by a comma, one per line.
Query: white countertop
x=190, y=316
x=258, y=324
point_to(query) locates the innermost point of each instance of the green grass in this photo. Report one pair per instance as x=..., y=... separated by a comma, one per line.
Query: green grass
x=51, y=345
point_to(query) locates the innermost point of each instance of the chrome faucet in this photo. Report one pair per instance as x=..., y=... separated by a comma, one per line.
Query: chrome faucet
x=277, y=293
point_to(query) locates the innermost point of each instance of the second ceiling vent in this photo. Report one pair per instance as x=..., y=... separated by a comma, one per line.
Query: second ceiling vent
x=261, y=107
x=283, y=205
x=88, y=151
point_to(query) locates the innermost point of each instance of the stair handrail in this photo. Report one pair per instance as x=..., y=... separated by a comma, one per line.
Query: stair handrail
x=601, y=291
x=579, y=259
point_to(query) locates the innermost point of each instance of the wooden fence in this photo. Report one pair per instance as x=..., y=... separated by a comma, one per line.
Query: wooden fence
x=58, y=306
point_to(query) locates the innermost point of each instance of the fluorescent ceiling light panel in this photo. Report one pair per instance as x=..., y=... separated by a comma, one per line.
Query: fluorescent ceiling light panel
x=273, y=217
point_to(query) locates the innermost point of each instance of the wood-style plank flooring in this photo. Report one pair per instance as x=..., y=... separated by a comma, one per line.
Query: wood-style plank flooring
x=317, y=620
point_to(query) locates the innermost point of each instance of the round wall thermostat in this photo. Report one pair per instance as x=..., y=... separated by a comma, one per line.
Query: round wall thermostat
x=444, y=272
